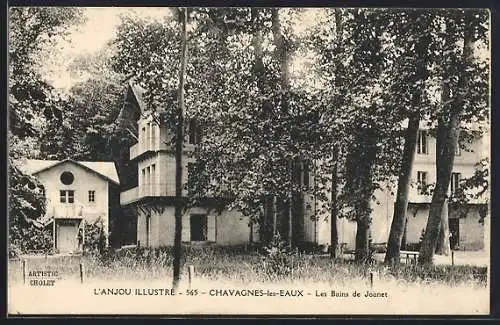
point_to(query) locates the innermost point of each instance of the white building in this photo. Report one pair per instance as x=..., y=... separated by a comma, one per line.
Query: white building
x=77, y=192
x=150, y=203
x=468, y=233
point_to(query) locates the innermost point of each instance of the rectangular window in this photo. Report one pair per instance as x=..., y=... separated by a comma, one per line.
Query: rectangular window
x=149, y=136
x=153, y=135
x=191, y=177
x=153, y=179
x=143, y=136
x=194, y=132
x=67, y=196
x=422, y=181
x=422, y=145
x=198, y=223
x=91, y=196
x=143, y=181
x=455, y=182
x=148, y=179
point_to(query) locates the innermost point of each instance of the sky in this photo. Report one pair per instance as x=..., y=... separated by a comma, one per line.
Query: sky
x=100, y=27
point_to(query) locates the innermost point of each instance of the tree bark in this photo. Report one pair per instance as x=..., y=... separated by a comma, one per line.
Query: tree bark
x=405, y=235
x=359, y=182
x=446, y=142
x=362, y=240
x=443, y=243
x=445, y=152
x=404, y=180
x=334, y=235
x=267, y=228
x=179, y=144
x=282, y=56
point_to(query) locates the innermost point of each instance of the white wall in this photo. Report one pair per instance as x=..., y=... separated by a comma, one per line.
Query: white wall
x=84, y=181
x=228, y=228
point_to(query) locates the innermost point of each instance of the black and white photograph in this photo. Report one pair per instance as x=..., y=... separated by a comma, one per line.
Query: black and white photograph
x=248, y=161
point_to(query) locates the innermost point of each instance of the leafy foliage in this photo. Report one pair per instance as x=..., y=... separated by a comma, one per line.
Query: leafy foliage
x=32, y=102
x=26, y=205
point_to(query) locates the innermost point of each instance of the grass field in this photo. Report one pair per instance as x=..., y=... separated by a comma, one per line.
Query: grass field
x=443, y=289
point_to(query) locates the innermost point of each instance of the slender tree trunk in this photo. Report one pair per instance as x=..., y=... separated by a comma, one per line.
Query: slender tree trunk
x=405, y=234
x=360, y=165
x=443, y=243
x=268, y=225
x=404, y=180
x=282, y=56
x=446, y=142
x=334, y=235
x=362, y=240
x=444, y=165
x=179, y=141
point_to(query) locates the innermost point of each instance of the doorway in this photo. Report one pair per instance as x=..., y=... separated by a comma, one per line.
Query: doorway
x=67, y=236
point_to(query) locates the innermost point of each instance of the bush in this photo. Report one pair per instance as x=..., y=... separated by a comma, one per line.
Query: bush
x=95, y=237
x=22, y=240
x=277, y=260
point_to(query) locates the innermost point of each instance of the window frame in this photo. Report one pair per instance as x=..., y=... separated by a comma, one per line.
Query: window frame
x=203, y=223
x=92, y=196
x=67, y=196
x=422, y=181
x=422, y=142
x=456, y=177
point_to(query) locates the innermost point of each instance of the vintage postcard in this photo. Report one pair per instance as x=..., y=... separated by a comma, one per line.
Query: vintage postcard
x=249, y=161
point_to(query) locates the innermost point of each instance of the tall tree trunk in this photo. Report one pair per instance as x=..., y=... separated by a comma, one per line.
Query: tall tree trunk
x=446, y=142
x=282, y=56
x=359, y=180
x=179, y=144
x=405, y=234
x=447, y=136
x=362, y=240
x=267, y=227
x=404, y=180
x=443, y=243
x=334, y=235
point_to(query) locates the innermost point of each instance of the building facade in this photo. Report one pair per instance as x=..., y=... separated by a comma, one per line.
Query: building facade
x=150, y=202
x=77, y=192
x=467, y=224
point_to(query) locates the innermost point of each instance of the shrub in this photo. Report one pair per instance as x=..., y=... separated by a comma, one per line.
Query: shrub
x=95, y=237
x=277, y=259
x=29, y=238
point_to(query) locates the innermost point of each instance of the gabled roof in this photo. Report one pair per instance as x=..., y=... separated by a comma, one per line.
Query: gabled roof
x=138, y=92
x=104, y=169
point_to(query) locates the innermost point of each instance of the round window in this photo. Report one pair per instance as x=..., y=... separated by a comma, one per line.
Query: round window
x=67, y=178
